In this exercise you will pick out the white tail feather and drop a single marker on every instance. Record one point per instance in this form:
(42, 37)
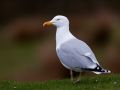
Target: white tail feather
(105, 71)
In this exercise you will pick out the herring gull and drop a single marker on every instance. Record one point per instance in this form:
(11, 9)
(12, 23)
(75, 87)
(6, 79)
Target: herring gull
(74, 54)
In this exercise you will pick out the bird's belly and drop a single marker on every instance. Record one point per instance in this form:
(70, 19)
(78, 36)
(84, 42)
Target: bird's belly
(68, 61)
(70, 64)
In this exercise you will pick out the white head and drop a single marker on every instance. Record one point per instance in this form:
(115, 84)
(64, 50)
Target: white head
(58, 21)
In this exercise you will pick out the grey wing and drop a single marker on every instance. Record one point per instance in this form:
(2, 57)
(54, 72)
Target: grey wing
(84, 50)
(79, 53)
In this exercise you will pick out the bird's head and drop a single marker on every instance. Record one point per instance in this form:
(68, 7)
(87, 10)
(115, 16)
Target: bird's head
(57, 21)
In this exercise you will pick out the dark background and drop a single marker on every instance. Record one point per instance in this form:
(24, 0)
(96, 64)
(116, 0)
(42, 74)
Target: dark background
(27, 50)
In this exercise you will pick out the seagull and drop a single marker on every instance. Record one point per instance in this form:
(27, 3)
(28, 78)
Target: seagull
(74, 54)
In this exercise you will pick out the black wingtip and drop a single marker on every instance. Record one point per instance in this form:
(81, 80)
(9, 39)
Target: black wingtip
(97, 69)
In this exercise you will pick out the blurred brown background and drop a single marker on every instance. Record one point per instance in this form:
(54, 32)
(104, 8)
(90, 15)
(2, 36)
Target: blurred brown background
(27, 50)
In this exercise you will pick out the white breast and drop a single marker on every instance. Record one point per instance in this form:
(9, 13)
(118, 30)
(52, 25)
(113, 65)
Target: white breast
(63, 35)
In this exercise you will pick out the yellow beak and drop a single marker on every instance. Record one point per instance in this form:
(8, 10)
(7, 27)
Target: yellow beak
(48, 23)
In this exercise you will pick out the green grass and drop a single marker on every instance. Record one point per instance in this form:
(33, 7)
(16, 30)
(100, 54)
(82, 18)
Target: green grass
(98, 82)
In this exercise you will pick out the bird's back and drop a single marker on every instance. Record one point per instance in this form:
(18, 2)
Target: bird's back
(72, 54)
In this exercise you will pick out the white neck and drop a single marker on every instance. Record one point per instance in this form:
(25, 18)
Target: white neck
(62, 35)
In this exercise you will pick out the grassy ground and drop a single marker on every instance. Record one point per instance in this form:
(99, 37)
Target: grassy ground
(98, 82)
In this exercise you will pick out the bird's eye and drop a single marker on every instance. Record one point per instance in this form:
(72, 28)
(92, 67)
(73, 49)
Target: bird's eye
(58, 19)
